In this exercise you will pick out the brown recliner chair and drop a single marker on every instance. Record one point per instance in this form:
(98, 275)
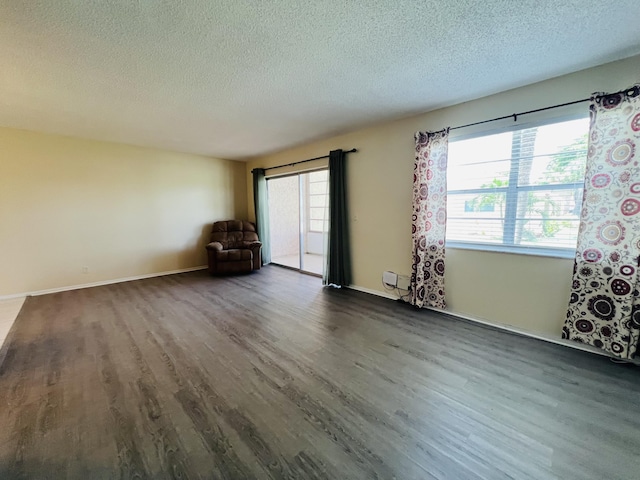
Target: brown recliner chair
(234, 248)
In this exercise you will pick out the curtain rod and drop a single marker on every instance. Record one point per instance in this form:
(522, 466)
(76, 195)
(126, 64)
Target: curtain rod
(307, 160)
(516, 115)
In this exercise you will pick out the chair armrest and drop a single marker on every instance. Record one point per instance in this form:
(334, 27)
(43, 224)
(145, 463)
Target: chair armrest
(214, 246)
(255, 248)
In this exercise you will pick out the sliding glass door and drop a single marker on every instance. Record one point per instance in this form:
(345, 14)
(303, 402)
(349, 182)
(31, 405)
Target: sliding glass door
(298, 212)
(284, 220)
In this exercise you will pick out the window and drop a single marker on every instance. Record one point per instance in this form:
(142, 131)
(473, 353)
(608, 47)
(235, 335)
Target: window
(518, 191)
(318, 201)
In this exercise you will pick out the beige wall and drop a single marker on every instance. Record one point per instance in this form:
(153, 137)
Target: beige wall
(527, 292)
(119, 210)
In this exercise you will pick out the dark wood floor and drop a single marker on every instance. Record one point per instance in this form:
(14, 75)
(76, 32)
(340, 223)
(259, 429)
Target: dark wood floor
(271, 376)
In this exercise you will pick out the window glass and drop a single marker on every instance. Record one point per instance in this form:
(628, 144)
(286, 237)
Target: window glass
(521, 190)
(318, 201)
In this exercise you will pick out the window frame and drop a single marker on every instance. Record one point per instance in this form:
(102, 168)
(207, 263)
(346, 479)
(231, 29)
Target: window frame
(325, 220)
(512, 191)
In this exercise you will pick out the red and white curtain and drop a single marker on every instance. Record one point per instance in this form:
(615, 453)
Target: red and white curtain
(429, 219)
(604, 309)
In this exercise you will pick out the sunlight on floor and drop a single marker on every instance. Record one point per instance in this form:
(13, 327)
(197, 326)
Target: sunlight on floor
(9, 310)
(311, 262)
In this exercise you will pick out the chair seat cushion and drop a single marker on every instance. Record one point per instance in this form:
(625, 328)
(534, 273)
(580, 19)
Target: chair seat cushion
(235, 255)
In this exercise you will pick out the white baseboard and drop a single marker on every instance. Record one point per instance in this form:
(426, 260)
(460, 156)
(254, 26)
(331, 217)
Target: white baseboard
(389, 296)
(501, 326)
(101, 283)
(377, 293)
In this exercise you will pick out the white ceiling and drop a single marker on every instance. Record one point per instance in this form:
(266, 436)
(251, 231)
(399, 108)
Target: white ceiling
(239, 78)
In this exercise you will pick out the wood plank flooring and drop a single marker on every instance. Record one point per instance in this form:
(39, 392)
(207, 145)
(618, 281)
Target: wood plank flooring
(269, 375)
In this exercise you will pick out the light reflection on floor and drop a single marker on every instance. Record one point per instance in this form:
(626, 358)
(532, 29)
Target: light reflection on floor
(311, 262)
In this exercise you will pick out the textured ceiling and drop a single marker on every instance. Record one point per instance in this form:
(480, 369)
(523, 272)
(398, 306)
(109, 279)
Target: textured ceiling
(239, 78)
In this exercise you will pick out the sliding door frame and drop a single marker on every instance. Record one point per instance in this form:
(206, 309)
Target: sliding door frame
(302, 217)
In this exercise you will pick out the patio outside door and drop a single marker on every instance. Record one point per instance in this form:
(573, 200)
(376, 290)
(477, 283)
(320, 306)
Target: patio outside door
(298, 220)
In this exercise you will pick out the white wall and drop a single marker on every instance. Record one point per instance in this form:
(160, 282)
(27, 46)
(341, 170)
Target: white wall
(527, 292)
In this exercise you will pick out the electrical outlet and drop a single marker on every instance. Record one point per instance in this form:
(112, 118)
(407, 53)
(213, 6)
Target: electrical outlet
(85, 269)
(389, 278)
(403, 282)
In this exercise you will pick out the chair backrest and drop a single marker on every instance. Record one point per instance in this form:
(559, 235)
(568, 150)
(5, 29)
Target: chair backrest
(232, 233)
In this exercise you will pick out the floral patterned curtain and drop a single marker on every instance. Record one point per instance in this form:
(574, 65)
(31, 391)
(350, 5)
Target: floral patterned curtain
(604, 308)
(429, 219)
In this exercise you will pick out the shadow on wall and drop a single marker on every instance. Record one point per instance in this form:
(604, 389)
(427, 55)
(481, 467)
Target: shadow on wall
(195, 248)
(191, 254)
(202, 241)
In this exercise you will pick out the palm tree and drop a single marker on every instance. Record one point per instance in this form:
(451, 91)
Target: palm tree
(565, 167)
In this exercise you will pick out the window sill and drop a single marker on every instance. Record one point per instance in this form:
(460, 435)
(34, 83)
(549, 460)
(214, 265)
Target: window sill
(531, 251)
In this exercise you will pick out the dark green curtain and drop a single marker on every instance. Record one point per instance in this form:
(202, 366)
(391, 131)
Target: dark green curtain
(261, 203)
(338, 271)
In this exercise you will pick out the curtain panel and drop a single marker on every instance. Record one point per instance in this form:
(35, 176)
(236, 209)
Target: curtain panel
(338, 262)
(261, 205)
(429, 219)
(604, 308)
